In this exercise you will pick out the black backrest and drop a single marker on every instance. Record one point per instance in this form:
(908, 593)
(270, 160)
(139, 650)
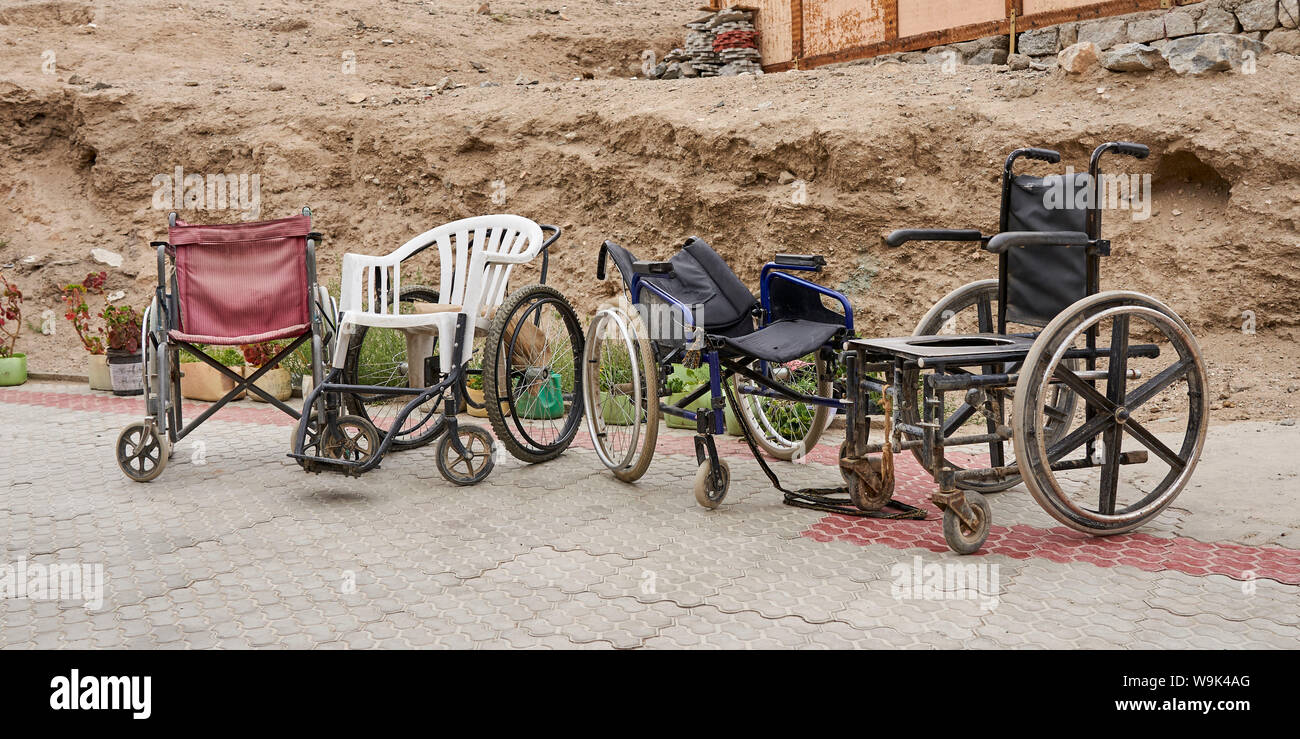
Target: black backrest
(1043, 281)
(701, 280)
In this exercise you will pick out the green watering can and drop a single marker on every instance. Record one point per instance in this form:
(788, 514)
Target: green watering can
(546, 404)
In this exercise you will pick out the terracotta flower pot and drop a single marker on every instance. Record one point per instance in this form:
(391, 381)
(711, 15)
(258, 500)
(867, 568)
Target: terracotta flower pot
(278, 382)
(476, 395)
(13, 370)
(97, 371)
(202, 382)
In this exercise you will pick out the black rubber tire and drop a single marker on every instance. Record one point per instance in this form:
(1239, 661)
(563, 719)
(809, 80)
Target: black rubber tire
(356, 405)
(136, 443)
(465, 432)
(507, 430)
(960, 538)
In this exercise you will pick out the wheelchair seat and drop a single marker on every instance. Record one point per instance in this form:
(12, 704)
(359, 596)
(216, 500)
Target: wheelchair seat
(702, 280)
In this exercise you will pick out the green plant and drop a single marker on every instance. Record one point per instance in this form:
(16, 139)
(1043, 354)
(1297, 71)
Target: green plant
(227, 356)
(122, 323)
(11, 317)
(78, 313)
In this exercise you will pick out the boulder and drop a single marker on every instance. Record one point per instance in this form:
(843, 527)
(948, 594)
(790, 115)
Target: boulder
(1142, 30)
(1211, 52)
(989, 56)
(1104, 33)
(1067, 34)
(1179, 23)
(1288, 13)
(1037, 42)
(1257, 15)
(1133, 58)
(1079, 58)
(1217, 20)
(1285, 40)
(1018, 61)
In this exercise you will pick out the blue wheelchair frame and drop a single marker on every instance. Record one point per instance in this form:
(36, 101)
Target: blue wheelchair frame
(722, 369)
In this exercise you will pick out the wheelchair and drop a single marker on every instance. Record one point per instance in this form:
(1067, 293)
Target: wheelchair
(1040, 357)
(772, 360)
(223, 285)
(528, 365)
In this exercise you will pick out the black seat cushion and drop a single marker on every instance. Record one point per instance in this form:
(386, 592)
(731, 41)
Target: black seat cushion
(784, 340)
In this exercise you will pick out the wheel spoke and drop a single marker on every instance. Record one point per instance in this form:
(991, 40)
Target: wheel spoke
(1149, 440)
(1086, 431)
(1085, 390)
(1152, 387)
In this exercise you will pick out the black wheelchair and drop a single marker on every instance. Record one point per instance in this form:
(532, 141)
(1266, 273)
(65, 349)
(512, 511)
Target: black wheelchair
(1040, 357)
(772, 360)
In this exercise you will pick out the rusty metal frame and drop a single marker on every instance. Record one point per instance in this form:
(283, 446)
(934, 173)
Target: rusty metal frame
(892, 43)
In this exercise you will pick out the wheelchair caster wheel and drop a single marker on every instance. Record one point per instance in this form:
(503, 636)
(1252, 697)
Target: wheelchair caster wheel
(871, 495)
(141, 452)
(709, 492)
(472, 467)
(350, 439)
(964, 539)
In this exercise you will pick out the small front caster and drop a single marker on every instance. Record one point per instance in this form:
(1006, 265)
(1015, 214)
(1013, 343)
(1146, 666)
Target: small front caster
(709, 491)
(964, 537)
(472, 466)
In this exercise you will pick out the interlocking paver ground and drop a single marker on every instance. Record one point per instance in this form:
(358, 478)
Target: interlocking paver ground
(235, 547)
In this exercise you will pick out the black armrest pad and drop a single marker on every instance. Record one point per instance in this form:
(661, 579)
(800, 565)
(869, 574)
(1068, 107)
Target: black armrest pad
(897, 238)
(800, 260)
(1004, 241)
(646, 267)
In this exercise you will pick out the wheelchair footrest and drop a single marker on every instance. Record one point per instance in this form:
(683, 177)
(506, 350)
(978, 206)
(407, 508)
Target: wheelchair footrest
(836, 500)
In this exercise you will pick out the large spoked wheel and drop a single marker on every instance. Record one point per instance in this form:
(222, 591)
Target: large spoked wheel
(377, 356)
(620, 382)
(973, 309)
(142, 452)
(533, 367)
(1142, 426)
(785, 428)
(475, 464)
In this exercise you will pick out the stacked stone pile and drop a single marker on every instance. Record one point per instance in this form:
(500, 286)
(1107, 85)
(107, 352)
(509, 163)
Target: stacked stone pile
(720, 44)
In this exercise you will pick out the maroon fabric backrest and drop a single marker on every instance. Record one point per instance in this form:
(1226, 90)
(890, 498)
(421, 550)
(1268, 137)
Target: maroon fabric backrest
(242, 279)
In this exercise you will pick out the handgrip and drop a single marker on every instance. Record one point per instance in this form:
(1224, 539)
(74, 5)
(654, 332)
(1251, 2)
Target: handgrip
(600, 261)
(1042, 155)
(1138, 151)
(902, 236)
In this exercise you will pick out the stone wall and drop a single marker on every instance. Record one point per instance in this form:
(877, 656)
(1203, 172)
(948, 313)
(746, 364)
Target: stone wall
(1194, 38)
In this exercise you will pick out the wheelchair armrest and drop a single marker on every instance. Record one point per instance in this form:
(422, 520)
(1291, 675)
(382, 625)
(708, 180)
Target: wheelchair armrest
(1008, 239)
(900, 237)
(652, 269)
(813, 262)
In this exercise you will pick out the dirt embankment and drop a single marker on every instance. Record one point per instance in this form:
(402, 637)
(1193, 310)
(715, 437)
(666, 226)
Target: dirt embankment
(380, 154)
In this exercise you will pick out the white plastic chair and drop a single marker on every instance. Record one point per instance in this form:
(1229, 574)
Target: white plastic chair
(475, 257)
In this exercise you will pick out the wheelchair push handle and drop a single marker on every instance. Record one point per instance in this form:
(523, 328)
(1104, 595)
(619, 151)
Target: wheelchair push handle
(1127, 148)
(600, 261)
(552, 238)
(1042, 155)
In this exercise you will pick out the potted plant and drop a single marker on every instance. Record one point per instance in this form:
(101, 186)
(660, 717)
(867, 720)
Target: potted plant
(125, 360)
(200, 381)
(278, 382)
(616, 408)
(682, 382)
(474, 389)
(13, 366)
(92, 337)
